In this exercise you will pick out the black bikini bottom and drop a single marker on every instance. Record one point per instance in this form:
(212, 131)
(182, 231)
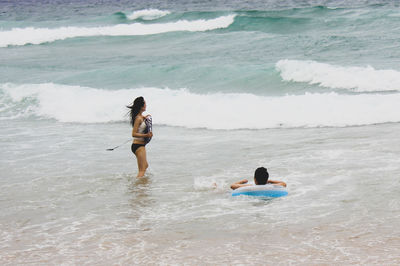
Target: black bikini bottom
(134, 147)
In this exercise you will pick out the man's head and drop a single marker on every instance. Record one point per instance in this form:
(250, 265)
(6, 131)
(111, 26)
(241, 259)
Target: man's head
(261, 176)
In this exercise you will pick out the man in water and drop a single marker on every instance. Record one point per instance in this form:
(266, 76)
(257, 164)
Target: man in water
(260, 178)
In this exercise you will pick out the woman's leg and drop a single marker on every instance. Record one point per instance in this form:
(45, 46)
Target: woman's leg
(141, 161)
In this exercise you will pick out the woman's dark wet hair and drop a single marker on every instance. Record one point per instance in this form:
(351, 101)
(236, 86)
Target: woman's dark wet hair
(137, 104)
(261, 176)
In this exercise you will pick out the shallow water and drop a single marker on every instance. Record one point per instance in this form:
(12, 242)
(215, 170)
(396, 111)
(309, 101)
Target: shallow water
(78, 203)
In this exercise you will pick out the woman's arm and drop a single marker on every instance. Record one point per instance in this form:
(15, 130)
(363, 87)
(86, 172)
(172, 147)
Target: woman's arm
(241, 183)
(281, 183)
(135, 128)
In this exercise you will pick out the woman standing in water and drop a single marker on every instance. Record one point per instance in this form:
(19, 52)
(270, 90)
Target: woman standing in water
(138, 133)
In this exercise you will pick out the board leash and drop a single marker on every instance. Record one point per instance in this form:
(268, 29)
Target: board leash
(111, 149)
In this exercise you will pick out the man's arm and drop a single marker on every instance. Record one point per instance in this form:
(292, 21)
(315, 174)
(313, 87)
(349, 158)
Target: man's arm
(281, 183)
(241, 183)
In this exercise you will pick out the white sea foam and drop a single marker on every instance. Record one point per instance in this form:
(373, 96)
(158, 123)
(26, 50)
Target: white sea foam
(148, 14)
(22, 36)
(359, 79)
(214, 111)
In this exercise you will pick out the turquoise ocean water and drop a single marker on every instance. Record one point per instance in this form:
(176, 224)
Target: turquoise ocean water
(308, 89)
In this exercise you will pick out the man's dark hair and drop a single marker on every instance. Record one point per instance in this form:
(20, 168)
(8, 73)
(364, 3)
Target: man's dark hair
(261, 176)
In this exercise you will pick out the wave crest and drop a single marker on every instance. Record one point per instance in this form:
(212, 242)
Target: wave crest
(148, 14)
(23, 36)
(359, 79)
(214, 111)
